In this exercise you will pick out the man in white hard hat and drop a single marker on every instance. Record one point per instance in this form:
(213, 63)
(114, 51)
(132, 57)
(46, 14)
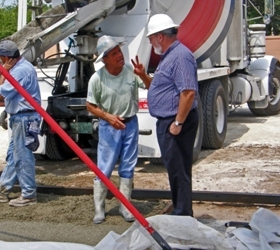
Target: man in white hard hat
(172, 99)
(113, 97)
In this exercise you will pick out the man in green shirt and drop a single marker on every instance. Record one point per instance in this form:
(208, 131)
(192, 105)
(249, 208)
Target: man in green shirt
(113, 97)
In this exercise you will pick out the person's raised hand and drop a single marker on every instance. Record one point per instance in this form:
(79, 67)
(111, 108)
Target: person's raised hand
(10, 63)
(139, 68)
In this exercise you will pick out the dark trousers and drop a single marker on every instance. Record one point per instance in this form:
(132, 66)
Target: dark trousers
(177, 155)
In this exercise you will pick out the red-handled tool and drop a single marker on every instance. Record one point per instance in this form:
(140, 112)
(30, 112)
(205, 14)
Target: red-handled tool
(55, 127)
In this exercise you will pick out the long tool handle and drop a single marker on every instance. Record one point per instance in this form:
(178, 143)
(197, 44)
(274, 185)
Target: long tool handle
(68, 140)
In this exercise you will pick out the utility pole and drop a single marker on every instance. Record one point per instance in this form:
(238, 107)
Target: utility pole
(22, 14)
(37, 5)
(37, 9)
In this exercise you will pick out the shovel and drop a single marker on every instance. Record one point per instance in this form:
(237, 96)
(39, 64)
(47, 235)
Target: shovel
(68, 140)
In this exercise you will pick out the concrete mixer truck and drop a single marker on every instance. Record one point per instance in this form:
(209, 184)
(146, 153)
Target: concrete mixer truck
(233, 68)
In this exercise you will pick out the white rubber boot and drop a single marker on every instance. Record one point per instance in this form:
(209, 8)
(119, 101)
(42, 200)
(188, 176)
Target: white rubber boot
(126, 189)
(99, 195)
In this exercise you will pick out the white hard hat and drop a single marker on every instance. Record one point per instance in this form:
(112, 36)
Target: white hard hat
(160, 22)
(106, 44)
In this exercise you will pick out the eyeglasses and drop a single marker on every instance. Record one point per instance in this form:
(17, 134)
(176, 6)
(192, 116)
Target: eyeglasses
(151, 37)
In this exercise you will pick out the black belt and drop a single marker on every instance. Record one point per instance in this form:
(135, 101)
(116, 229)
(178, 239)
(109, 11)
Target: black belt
(167, 117)
(24, 111)
(128, 119)
(172, 116)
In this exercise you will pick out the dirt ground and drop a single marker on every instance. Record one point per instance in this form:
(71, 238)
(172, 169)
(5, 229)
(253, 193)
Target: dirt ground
(248, 162)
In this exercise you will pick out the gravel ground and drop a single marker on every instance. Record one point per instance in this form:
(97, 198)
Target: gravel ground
(248, 162)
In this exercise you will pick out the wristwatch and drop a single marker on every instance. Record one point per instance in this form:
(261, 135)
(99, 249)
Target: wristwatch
(178, 123)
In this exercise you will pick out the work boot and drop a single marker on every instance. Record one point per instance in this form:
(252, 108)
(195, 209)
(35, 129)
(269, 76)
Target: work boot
(100, 192)
(126, 189)
(4, 195)
(22, 202)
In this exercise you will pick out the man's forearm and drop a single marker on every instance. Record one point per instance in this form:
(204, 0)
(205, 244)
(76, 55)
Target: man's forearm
(185, 104)
(146, 79)
(2, 79)
(96, 111)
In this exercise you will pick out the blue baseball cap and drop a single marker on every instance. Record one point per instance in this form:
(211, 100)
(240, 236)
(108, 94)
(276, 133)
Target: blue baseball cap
(8, 48)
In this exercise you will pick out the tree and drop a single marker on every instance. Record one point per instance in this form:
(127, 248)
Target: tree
(256, 13)
(9, 15)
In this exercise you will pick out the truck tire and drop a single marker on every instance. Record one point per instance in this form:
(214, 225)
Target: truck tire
(40, 157)
(156, 161)
(56, 148)
(214, 114)
(3, 120)
(273, 107)
(198, 138)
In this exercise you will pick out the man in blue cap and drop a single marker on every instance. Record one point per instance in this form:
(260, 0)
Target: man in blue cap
(25, 125)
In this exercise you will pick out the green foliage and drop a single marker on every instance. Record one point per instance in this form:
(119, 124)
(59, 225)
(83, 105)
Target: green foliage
(8, 17)
(273, 28)
(9, 14)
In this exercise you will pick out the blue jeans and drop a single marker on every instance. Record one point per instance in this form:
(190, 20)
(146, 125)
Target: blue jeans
(20, 160)
(114, 144)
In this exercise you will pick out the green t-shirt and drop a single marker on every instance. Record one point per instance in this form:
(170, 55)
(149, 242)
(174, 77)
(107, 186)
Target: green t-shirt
(116, 95)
